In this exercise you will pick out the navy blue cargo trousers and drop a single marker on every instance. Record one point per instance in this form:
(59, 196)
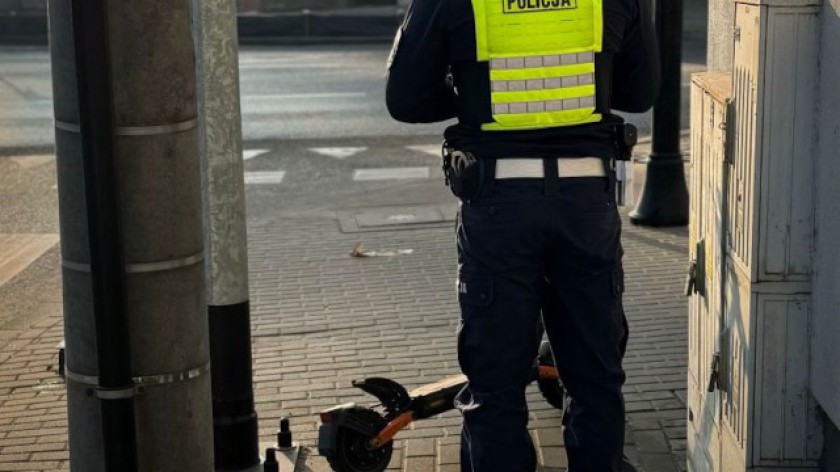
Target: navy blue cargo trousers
(525, 250)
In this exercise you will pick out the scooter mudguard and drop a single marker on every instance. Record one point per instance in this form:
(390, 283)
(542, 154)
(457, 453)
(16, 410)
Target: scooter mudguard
(342, 416)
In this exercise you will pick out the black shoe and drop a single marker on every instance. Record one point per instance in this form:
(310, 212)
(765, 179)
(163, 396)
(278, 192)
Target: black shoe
(626, 466)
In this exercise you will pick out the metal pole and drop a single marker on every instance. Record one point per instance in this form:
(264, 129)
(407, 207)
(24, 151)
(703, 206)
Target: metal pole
(664, 198)
(115, 389)
(236, 437)
(157, 170)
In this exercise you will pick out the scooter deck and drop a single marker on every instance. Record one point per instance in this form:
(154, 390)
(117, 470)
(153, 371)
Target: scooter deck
(445, 384)
(439, 397)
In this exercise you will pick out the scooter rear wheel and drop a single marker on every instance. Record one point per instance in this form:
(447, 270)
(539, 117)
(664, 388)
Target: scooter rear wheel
(353, 450)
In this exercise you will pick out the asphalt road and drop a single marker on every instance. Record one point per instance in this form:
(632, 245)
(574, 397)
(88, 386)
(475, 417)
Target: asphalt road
(288, 93)
(313, 119)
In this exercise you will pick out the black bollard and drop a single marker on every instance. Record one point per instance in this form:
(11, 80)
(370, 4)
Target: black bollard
(664, 198)
(270, 464)
(284, 434)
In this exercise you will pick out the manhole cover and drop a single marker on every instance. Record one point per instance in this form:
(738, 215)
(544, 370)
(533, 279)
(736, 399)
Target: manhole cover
(391, 218)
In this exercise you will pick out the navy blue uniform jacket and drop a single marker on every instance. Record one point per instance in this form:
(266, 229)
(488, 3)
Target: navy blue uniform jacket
(437, 38)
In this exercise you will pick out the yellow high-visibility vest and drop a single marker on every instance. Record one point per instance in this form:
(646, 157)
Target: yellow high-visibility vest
(541, 55)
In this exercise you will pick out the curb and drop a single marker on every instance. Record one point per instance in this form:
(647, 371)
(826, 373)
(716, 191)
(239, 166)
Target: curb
(16, 151)
(311, 24)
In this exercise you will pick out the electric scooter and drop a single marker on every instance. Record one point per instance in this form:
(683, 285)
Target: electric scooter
(356, 438)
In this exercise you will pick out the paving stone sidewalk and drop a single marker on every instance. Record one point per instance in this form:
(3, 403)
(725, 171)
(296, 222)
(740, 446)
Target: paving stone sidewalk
(396, 317)
(322, 318)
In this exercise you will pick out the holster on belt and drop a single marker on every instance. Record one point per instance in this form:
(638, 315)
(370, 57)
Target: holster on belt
(463, 172)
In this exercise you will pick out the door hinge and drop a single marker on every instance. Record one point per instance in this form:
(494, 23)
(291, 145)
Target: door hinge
(691, 279)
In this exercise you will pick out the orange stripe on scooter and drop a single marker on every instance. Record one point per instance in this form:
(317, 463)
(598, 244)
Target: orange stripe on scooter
(395, 426)
(548, 372)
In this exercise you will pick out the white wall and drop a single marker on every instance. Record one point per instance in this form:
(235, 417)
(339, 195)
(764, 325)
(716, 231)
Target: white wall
(825, 350)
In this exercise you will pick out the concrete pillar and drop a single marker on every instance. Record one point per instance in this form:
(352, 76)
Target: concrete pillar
(721, 27)
(158, 177)
(220, 142)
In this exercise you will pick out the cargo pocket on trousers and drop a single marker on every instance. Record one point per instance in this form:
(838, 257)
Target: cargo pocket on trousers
(474, 292)
(475, 295)
(618, 281)
(618, 307)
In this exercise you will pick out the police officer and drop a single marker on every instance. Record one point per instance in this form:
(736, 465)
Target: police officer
(532, 84)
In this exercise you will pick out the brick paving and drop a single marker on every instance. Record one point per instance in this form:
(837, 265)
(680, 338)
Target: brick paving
(322, 318)
(396, 317)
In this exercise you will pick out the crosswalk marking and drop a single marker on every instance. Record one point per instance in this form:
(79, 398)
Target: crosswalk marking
(252, 153)
(304, 96)
(359, 175)
(27, 162)
(391, 173)
(270, 177)
(18, 251)
(284, 65)
(433, 149)
(339, 152)
(276, 177)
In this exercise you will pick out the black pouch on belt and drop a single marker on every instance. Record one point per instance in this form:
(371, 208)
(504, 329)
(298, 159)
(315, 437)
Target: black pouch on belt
(463, 173)
(626, 137)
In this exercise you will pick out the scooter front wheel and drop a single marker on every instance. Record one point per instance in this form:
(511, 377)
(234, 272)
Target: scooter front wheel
(354, 452)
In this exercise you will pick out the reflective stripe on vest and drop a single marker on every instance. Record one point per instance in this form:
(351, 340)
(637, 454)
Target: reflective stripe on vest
(542, 60)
